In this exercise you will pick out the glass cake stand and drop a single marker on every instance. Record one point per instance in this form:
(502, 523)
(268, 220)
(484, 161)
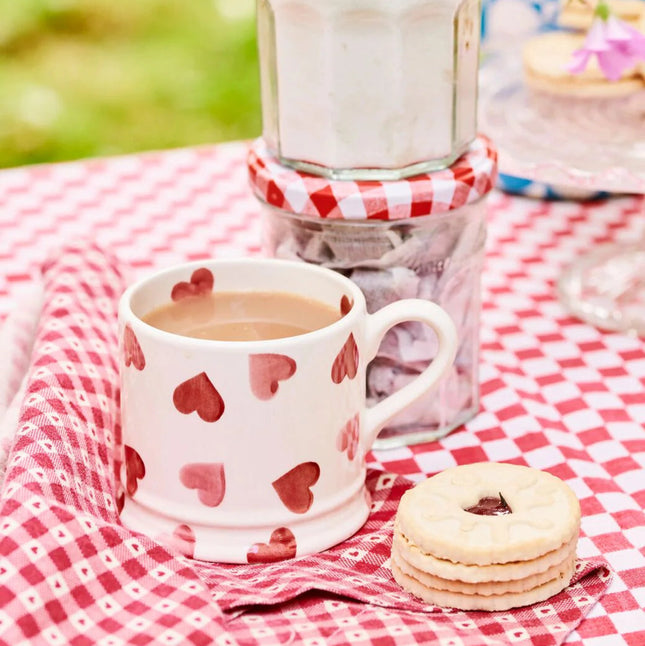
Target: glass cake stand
(576, 145)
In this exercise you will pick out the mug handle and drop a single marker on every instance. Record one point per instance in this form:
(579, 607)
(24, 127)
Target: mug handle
(376, 417)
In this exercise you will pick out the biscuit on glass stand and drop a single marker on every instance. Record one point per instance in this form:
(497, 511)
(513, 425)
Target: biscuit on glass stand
(545, 58)
(604, 287)
(579, 14)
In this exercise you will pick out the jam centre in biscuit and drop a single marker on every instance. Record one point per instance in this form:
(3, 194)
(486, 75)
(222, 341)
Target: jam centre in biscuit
(490, 506)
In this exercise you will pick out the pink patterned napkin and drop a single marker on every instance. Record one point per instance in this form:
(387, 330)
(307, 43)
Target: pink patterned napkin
(70, 573)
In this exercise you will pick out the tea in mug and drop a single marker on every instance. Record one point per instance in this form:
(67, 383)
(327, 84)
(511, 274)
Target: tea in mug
(243, 316)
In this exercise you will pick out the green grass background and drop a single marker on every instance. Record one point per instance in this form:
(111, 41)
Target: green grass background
(87, 78)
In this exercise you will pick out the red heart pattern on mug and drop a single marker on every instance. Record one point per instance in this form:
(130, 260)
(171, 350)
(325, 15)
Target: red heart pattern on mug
(201, 282)
(120, 499)
(281, 546)
(133, 355)
(294, 487)
(346, 363)
(266, 371)
(183, 538)
(198, 395)
(348, 437)
(135, 469)
(346, 305)
(208, 478)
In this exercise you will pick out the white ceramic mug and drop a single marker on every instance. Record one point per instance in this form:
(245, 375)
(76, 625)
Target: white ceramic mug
(254, 451)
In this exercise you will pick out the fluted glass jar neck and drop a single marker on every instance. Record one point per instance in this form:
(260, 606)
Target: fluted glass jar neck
(373, 89)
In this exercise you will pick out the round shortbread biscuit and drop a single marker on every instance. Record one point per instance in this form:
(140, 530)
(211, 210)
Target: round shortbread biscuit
(445, 569)
(580, 15)
(485, 588)
(545, 514)
(479, 602)
(545, 58)
(584, 88)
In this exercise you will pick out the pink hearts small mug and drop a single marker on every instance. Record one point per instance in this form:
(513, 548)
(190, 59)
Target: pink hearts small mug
(254, 451)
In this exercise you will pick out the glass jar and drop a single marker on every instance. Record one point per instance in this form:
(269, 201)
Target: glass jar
(418, 238)
(368, 89)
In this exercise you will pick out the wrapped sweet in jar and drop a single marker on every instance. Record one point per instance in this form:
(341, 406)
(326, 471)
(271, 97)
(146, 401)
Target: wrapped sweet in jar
(368, 89)
(421, 237)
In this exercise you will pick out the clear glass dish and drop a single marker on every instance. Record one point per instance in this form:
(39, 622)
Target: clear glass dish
(596, 144)
(606, 287)
(578, 143)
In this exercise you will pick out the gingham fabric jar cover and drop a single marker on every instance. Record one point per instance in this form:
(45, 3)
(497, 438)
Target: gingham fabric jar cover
(471, 177)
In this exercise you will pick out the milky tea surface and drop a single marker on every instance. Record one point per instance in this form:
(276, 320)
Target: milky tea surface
(243, 316)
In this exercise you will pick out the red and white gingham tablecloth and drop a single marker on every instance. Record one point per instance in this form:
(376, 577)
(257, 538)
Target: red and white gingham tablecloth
(557, 394)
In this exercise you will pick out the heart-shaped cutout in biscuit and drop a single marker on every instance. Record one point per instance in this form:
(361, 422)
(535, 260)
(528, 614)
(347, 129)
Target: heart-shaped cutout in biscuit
(198, 395)
(266, 371)
(294, 487)
(132, 353)
(281, 546)
(135, 469)
(346, 362)
(201, 282)
(208, 478)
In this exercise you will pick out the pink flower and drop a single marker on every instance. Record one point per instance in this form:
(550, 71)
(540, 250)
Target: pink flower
(616, 45)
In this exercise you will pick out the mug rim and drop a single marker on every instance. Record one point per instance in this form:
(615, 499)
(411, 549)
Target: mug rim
(127, 315)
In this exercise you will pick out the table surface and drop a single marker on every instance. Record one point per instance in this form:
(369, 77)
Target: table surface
(556, 394)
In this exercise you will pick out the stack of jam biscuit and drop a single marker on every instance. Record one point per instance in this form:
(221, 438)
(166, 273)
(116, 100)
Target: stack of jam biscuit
(486, 536)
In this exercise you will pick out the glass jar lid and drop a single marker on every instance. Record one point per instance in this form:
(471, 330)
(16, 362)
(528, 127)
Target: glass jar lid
(470, 178)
